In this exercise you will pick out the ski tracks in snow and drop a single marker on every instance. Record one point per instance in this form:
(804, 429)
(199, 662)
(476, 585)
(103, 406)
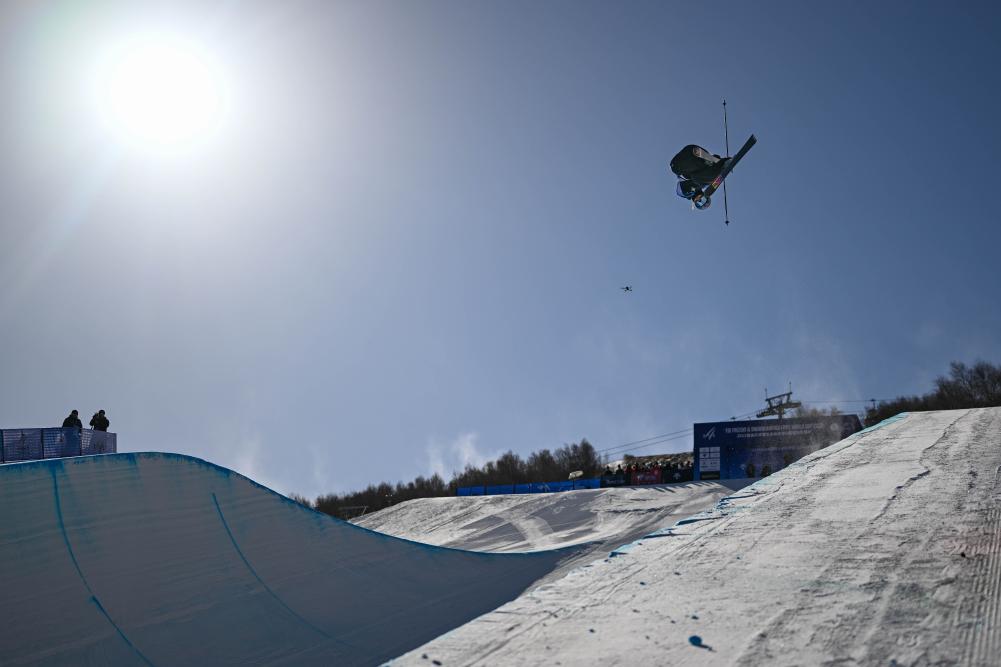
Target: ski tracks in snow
(897, 590)
(883, 549)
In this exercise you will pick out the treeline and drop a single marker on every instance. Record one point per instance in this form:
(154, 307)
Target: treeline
(977, 386)
(541, 466)
(380, 496)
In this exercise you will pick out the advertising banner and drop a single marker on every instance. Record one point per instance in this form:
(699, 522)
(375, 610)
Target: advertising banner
(536, 487)
(651, 476)
(754, 448)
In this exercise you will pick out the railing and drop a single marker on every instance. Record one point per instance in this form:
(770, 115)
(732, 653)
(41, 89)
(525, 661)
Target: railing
(31, 444)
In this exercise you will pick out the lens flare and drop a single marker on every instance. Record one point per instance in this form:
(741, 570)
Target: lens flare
(161, 93)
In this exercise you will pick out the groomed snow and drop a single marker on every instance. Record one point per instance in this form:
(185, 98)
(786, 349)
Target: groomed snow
(598, 521)
(883, 549)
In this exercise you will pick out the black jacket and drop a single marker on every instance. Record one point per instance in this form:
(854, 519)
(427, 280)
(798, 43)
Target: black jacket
(73, 422)
(99, 422)
(697, 164)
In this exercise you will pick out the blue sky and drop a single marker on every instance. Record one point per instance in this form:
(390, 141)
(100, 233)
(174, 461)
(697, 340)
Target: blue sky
(403, 248)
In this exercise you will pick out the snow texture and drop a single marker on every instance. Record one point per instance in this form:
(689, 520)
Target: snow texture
(883, 549)
(161, 559)
(598, 521)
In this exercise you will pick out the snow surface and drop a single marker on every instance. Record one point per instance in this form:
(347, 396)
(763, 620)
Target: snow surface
(597, 520)
(883, 549)
(140, 559)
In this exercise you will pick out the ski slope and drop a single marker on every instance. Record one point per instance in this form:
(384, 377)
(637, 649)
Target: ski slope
(883, 549)
(596, 520)
(161, 559)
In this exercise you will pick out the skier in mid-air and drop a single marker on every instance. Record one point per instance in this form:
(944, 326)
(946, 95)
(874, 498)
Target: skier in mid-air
(695, 168)
(701, 172)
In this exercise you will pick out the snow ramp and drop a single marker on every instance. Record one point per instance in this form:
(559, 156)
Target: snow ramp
(882, 549)
(163, 559)
(595, 518)
(596, 521)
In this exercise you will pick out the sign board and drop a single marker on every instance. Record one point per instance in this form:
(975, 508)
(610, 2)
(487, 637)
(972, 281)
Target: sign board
(739, 449)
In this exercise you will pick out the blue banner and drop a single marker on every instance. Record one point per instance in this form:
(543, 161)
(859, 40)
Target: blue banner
(534, 487)
(755, 448)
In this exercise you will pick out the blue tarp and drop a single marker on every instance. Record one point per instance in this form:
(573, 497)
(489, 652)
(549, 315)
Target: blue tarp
(552, 487)
(587, 483)
(470, 490)
(500, 490)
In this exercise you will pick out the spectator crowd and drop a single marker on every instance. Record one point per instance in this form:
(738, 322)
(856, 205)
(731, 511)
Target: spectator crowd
(657, 471)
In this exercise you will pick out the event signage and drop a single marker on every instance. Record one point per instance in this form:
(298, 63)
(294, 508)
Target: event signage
(753, 448)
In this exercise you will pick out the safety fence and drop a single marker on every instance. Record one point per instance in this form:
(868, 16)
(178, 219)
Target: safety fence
(31, 444)
(533, 487)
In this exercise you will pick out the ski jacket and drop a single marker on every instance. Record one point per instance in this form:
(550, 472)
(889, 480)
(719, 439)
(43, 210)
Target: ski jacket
(697, 164)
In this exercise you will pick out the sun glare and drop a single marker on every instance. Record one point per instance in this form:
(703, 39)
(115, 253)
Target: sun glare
(161, 93)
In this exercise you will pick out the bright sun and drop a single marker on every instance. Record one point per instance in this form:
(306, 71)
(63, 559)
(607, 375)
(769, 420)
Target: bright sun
(161, 93)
